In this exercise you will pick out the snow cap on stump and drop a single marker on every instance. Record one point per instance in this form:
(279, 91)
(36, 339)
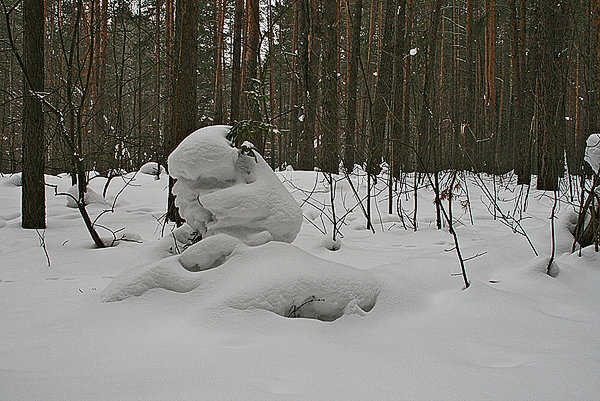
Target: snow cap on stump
(224, 190)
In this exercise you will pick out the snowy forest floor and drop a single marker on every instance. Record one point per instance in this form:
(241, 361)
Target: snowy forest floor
(515, 333)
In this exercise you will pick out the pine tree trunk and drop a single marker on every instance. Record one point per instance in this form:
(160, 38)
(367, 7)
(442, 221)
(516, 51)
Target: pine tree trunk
(33, 206)
(456, 93)
(468, 127)
(363, 137)
(101, 94)
(292, 137)
(310, 53)
(157, 137)
(218, 91)
(185, 103)
(329, 145)
(250, 68)
(550, 91)
(140, 97)
(406, 120)
(170, 73)
(236, 67)
(397, 135)
(351, 130)
(426, 127)
(383, 90)
(514, 125)
(490, 85)
(294, 106)
(302, 74)
(524, 143)
(186, 113)
(272, 112)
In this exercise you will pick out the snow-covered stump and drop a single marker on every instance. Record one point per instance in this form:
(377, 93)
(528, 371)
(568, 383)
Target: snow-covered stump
(224, 190)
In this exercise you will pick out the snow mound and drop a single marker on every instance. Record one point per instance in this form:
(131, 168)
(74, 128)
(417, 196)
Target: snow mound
(592, 152)
(224, 190)
(565, 230)
(293, 283)
(14, 180)
(534, 269)
(114, 239)
(173, 273)
(208, 254)
(329, 244)
(180, 238)
(130, 236)
(275, 277)
(90, 197)
(152, 168)
(166, 273)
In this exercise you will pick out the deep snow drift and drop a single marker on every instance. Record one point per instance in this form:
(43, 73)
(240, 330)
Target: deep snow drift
(209, 322)
(276, 277)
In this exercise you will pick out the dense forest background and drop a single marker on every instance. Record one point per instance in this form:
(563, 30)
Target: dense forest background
(473, 85)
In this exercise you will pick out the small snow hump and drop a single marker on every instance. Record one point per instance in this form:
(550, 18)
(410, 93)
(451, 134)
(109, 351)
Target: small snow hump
(152, 168)
(14, 180)
(224, 190)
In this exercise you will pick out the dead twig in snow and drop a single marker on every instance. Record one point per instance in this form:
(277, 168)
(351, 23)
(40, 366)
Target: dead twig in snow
(42, 238)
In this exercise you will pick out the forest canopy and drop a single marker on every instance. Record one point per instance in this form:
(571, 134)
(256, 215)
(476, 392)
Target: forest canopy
(423, 86)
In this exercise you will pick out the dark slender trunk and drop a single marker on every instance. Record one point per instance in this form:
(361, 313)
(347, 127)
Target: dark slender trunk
(550, 87)
(351, 130)
(292, 140)
(398, 134)
(468, 127)
(329, 145)
(236, 68)
(428, 138)
(383, 90)
(184, 104)
(218, 91)
(309, 52)
(33, 212)
(250, 72)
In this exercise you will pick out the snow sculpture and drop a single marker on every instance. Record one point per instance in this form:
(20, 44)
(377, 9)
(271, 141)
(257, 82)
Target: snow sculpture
(592, 152)
(224, 190)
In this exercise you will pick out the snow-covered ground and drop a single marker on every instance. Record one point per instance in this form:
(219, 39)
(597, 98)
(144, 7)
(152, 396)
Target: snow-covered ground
(401, 326)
